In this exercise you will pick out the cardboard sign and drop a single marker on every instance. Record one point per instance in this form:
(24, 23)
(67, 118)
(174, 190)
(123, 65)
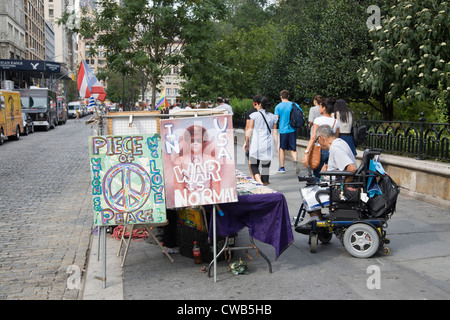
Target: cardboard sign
(198, 158)
(127, 179)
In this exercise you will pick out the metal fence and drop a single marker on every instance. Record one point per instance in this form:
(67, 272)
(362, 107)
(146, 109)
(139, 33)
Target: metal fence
(420, 140)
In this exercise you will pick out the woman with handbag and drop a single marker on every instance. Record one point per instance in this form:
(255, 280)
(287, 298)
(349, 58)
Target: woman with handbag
(261, 149)
(314, 157)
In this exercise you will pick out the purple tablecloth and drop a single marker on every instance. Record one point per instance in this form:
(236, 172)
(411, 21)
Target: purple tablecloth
(265, 215)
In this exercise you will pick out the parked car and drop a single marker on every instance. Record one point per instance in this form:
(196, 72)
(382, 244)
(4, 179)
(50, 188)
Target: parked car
(28, 125)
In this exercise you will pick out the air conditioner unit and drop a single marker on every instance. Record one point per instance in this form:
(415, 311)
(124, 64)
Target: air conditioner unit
(8, 85)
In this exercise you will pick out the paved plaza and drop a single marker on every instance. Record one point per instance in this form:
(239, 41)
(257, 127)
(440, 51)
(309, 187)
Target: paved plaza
(49, 252)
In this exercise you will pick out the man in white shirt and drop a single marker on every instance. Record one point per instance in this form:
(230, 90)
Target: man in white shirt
(341, 158)
(224, 106)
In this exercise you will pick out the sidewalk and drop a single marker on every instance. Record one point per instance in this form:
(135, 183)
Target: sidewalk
(416, 268)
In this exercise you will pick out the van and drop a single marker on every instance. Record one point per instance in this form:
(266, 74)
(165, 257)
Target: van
(72, 109)
(40, 104)
(11, 124)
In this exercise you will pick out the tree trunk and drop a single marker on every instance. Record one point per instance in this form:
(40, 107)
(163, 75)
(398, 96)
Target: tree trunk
(153, 82)
(388, 110)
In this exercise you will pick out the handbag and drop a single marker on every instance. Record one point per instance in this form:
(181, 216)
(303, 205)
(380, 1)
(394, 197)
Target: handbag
(270, 131)
(315, 154)
(314, 157)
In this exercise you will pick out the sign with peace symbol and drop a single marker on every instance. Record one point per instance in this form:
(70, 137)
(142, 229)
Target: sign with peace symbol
(126, 187)
(127, 179)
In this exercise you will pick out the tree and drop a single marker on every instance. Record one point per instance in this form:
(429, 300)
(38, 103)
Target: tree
(228, 64)
(320, 50)
(334, 47)
(410, 58)
(147, 36)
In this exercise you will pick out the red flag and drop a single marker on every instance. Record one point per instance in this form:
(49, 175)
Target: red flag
(88, 84)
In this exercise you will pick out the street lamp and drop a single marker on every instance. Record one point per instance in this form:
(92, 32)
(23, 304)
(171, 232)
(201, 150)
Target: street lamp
(62, 54)
(54, 83)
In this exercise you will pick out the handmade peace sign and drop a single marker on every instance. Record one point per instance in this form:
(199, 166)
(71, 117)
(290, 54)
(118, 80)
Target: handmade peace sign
(126, 187)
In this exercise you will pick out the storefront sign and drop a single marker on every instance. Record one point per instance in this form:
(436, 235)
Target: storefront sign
(198, 155)
(30, 65)
(127, 179)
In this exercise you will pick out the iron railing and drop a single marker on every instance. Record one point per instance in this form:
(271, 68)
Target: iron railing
(420, 140)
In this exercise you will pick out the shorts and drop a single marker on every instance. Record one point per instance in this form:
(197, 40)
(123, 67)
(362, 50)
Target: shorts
(288, 141)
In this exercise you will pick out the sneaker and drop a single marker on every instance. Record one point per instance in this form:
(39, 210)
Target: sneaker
(281, 170)
(297, 167)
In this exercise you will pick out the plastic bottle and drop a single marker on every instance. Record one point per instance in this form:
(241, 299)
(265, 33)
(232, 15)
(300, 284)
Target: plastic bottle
(197, 254)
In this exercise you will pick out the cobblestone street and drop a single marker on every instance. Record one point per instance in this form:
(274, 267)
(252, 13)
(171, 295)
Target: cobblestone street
(45, 215)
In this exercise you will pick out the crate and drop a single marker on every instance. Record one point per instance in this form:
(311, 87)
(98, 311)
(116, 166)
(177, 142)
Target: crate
(185, 238)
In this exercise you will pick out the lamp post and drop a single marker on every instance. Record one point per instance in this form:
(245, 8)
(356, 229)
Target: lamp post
(62, 54)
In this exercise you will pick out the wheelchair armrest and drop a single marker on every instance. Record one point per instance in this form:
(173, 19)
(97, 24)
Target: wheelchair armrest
(309, 179)
(337, 173)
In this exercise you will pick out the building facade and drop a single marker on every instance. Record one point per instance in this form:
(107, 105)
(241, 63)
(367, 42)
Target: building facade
(12, 31)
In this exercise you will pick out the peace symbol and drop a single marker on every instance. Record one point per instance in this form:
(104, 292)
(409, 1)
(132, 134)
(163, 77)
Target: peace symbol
(126, 187)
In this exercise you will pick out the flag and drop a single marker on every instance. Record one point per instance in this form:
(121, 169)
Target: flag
(91, 102)
(88, 85)
(162, 103)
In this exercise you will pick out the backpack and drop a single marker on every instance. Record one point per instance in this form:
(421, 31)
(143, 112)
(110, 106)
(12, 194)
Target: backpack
(384, 204)
(359, 135)
(296, 118)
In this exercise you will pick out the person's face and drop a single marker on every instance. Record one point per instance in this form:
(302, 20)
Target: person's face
(196, 145)
(323, 142)
(322, 109)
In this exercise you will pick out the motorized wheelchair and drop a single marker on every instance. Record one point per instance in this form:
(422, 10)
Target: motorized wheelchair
(358, 221)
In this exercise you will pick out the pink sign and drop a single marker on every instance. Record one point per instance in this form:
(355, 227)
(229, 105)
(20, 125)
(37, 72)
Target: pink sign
(198, 155)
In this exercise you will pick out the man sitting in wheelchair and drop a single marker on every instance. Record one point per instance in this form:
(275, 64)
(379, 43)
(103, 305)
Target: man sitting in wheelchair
(360, 199)
(341, 158)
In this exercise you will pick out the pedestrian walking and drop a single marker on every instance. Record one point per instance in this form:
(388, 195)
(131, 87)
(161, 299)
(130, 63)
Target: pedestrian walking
(261, 149)
(288, 139)
(345, 117)
(314, 111)
(224, 106)
(326, 110)
(256, 100)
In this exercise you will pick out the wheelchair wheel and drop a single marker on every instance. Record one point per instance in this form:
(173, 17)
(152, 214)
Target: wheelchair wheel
(313, 242)
(361, 240)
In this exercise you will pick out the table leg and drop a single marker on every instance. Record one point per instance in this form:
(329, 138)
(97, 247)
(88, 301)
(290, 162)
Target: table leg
(214, 244)
(104, 255)
(262, 255)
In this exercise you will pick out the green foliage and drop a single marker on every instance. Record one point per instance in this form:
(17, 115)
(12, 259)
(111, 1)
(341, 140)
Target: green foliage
(410, 55)
(240, 107)
(228, 67)
(320, 51)
(238, 48)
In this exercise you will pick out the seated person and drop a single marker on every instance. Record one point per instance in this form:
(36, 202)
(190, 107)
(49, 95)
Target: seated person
(341, 158)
